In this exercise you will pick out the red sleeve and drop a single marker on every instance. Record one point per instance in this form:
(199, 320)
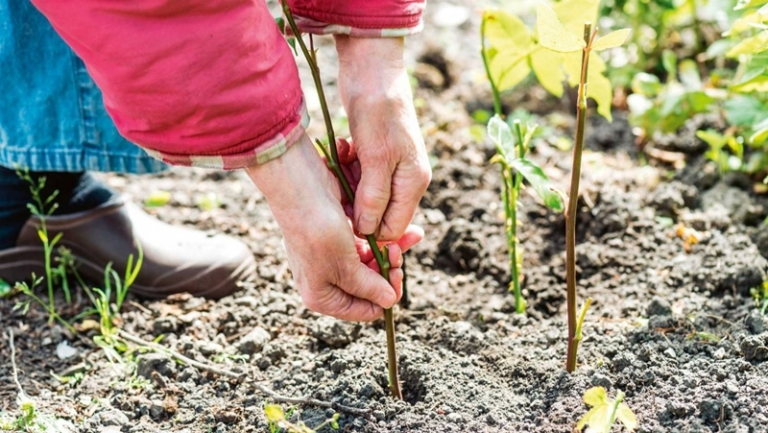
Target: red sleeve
(199, 82)
(361, 18)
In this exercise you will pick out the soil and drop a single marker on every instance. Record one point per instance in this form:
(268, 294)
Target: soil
(673, 324)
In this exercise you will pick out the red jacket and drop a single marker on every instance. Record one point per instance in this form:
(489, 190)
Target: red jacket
(209, 83)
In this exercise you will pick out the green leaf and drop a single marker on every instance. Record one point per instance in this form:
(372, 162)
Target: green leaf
(208, 202)
(750, 45)
(626, 417)
(689, 75)
(510, 43)
(539, 181)
(509, 71)
(646, 84)
(501, 135)
(157, 199)
(546, 66)
(595, 396)
(574, 13)
(553, 34)
(669, 62)
(611, 40)
(5, 288)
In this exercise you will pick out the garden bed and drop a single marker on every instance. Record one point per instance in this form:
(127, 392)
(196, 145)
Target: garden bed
(673, 324)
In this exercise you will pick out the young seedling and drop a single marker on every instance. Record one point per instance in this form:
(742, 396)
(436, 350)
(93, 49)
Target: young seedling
(510, 155)
(555, 37)
(332, 157)
(278, 420)
(605, 413)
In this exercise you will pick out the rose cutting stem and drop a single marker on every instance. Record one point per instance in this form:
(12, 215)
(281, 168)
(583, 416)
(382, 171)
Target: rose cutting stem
(381, 255)
(570, 225)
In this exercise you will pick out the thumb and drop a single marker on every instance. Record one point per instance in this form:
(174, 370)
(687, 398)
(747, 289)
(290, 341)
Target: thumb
(372, 198)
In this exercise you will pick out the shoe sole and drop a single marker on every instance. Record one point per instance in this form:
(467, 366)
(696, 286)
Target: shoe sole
(20, 263)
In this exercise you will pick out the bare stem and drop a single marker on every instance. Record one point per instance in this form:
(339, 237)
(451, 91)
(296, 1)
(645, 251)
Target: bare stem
(382, 257)
(570, 224)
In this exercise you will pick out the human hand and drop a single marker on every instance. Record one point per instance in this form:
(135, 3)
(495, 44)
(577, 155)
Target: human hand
(395, 170)
(334, 271)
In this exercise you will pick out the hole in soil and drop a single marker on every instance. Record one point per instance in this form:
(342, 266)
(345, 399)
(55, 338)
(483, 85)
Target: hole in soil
(412, 383)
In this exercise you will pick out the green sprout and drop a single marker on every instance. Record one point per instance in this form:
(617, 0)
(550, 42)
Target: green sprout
(511, 153)
(604, 413)
(277, 419)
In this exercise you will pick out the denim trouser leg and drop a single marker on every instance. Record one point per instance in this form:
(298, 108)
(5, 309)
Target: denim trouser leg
(52, 117)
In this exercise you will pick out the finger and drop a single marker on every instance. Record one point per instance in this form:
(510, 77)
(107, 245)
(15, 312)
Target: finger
(407, 189)
(412, 236)
(373, 195)
(346, 151)
(341, 305)
(365, 283)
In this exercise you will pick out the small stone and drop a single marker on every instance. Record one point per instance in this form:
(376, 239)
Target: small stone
(156, 409)
(490, 419)
(209, 348)
(670, 352)
(755, 322)
(335, 333)
(601, 380)
(338, 365)
(112, 417)
(158, 362)
(379, 415)
(455, 418)
(719, 353)
(165, 325)
(755, 348)
(254, 341)
(659, 307)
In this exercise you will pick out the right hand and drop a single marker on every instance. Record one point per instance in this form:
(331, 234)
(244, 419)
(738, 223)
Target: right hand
(334, 270)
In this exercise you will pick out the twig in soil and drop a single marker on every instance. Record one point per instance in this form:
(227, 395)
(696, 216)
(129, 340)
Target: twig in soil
(189, 361)
(14, 370)
(364, 413)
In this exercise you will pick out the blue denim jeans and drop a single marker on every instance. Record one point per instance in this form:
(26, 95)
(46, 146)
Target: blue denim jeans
(52, 117)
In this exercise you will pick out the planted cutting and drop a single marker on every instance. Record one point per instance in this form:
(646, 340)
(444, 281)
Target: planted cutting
(554, 36)
(511, 151)
(381, 254)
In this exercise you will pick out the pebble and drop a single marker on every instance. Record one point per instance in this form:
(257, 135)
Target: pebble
(670, 353)
(156, 409)
(719, 353)
(659, 307)
(112, 417)
(158, 362)
(254, 341)
(165, 325)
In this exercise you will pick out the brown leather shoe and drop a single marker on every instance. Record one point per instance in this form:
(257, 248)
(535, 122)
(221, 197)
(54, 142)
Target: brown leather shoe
(176, 259)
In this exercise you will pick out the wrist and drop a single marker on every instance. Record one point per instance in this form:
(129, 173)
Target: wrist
(296, 184)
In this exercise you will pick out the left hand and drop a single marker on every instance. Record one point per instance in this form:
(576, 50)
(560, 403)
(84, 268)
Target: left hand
(394, 167)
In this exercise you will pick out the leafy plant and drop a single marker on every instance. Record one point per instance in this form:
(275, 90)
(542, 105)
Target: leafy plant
(555, 36)
(43, 208)
(514, 51)
(381, 254)
(604, 413)
(760, 295)
(510, 155)
(277, 420)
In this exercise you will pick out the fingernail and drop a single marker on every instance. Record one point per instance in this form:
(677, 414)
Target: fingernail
(366, 225)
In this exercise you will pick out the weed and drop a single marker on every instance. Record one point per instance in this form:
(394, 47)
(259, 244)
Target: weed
(278, 420)
(604, 413)
(43, 208)
(760, 295)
